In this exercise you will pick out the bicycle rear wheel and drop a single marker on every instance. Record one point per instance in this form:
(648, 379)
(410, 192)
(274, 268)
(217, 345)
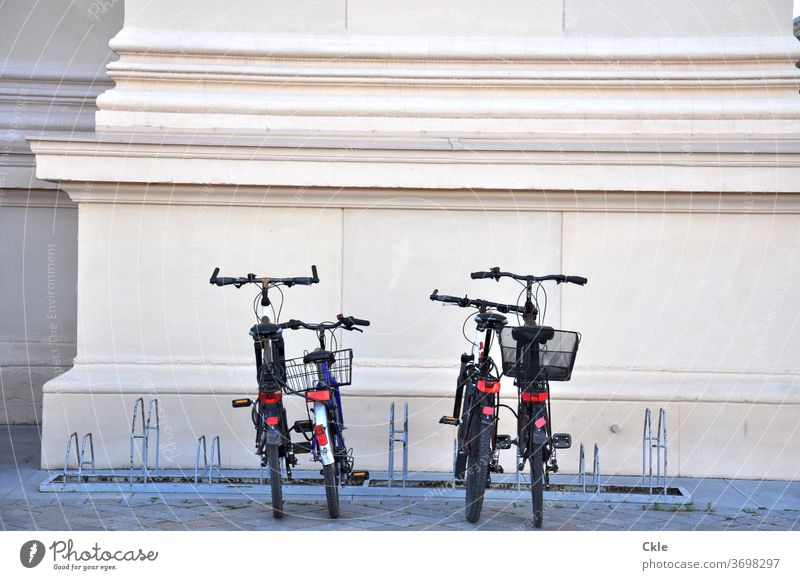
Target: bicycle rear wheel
(274, 461)
(331, 489)
(537, 485)
(477, 469)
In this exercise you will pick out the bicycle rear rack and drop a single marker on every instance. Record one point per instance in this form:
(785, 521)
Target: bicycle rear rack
(648, 444)
(80, 454)
(144, 435)
(393, 439)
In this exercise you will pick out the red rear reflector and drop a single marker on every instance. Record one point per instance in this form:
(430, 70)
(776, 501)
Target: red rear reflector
(272, 420)
(488, 410)
(319, 433)
(488, 386)
(540, 422)
(274, 397)
(324, 395)
(534, 397)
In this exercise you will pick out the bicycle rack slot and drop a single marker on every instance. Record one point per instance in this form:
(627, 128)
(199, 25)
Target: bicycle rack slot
(393, 431)
(80, 454)
(146, 427)
(659, 442)
(595, 468)
(208, 467)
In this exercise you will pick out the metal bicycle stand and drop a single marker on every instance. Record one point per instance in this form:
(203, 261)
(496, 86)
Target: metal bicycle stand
(658, 442)
(595, 468)
(208, 468)
(393, 439)
(144, 435)
(80, 453)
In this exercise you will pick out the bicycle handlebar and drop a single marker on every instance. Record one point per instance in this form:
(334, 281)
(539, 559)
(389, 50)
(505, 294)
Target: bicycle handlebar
(496, 274)
(264, 280)
(467, 302)
(346, 322)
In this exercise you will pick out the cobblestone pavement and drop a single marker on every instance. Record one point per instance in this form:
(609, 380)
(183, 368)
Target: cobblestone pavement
(717, 505)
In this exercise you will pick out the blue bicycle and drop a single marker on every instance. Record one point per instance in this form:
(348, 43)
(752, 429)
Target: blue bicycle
(317, 376)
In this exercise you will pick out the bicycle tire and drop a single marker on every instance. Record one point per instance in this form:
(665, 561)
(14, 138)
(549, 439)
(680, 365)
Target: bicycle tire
(477, 470)
(331, 489)
(274, 461)
(461, 458)
(537, 485)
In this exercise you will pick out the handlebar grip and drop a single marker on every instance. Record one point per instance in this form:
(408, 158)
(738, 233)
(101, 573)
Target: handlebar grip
(435, 294)
(481, 275)
(579, 280)
(359, 321)
(314, 277)
(213, 279)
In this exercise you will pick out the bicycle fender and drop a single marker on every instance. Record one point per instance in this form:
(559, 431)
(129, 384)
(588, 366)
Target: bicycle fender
(321, 418)
(273, 437)
(539, 437)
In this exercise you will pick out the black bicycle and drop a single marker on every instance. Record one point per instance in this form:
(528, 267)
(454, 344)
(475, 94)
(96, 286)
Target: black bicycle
(533, 355)
(272, 441)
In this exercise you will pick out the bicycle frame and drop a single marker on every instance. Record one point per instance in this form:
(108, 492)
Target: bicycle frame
(483, 394)
(269, 413)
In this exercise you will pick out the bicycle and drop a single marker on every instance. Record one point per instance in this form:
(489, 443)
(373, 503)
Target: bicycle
(533, 355)
(317, 376)
(272, 441)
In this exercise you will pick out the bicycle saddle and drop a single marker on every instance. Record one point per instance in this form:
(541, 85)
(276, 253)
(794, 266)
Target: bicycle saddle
(319, 356)
(490, 320)
(540, 334)
(265, 329)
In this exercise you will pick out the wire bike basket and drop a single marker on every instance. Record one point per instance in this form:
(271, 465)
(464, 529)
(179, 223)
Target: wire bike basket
(305, 373)
(538, 353)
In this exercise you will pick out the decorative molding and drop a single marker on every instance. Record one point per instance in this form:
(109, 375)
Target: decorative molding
(112, 164)
(35, 100)
(36, 198)
(209, 80)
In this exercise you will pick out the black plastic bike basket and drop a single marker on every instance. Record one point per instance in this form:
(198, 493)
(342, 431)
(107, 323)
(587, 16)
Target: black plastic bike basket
(539, 357)
(302, 376)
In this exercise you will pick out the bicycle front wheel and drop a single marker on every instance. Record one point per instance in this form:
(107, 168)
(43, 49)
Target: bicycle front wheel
(331, 489)
(477, 470)
(537, 485)
(274, 461)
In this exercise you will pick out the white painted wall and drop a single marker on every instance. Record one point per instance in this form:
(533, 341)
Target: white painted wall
(653, 149)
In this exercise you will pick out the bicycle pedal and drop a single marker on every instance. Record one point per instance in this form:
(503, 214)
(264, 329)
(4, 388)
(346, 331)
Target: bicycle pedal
(239, 403)
(303, 426)
(449, 421)
(359, 476)
(562, 440)
(302, 447)
(504, 441)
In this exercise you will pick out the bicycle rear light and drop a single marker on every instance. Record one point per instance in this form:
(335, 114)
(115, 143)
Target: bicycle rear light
(322, 395)
(488, 386)
(319, 433)
(534, 397)
(268, 398)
